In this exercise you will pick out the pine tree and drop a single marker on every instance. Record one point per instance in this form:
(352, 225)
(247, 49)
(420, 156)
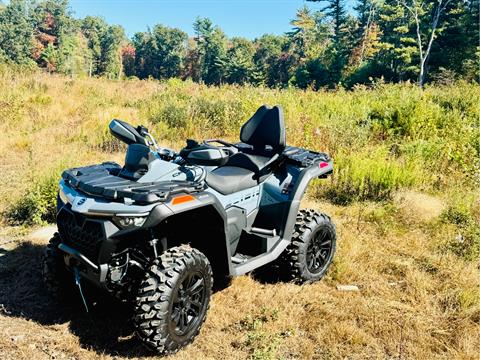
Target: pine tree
(212, 48)
(337, 11)
(268, 51)
(338, 53)
(16, 32)
(111, 59)
(93, 28)
(240, 65)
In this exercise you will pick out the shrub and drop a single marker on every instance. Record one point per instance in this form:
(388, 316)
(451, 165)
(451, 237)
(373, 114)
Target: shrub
(360, 177)
(37, 206)
(261, 344)
(462, 213)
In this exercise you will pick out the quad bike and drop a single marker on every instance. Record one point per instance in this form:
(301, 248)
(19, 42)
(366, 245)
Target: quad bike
(157, 231)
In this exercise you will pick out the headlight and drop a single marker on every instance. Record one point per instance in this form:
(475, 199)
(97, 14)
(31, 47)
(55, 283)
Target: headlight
(126, 222)
(63, 196)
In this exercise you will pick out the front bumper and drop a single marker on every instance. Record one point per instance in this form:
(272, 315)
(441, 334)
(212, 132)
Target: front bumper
(85, 243)
(88, 243)
(94, 237)
(97, 274)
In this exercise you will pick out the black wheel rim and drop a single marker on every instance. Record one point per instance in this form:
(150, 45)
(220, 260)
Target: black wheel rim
(188, 303)
(319, 251)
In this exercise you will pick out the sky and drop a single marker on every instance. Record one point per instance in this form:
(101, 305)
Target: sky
(247, 18)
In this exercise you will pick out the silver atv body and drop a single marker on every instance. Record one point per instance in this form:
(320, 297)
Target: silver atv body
(238, 204)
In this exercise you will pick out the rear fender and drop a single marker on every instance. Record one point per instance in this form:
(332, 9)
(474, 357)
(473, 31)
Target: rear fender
(317, 170)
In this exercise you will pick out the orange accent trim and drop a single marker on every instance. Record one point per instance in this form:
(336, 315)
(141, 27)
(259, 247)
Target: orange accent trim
(181, 199)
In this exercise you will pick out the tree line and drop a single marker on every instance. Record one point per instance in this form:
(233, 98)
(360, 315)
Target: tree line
(393, 40)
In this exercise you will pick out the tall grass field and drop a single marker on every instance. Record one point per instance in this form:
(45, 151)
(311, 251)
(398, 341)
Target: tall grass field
(404, 196)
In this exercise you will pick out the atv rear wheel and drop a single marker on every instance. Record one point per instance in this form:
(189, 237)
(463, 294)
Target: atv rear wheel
(173, 299)
(313, 245)
(58, 280)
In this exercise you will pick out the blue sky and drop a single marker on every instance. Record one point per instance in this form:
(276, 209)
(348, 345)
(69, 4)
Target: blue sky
(248, 18)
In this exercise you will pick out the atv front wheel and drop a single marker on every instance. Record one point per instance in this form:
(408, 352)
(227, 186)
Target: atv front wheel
(173, 299)
(58, 280)
(313, 245)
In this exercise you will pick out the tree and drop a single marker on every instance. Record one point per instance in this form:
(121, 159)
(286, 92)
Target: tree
(93, 28)
(74, 57)
(308, 43)
(16, 32)
(470, 64)
(397, 50)
(192, 67)
(368, 29)
(212, 48)
(425, 11)
(128, 59)
(302, 34)
(53, 26)
(170, 48)
(268, 51)
(141, 43)
(53, 17)
(160, 53)
(338, 52)
(105, 43)
(240, 65)
(453, 51)
(337, 11)
(111, 60)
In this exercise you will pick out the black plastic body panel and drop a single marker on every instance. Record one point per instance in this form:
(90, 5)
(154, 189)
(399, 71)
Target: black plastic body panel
(103, 181)
(204, 155)
(237, 222)
(98, 238)
(319, 166)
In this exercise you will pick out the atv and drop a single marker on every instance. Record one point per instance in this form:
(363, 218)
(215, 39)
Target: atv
(156, 231)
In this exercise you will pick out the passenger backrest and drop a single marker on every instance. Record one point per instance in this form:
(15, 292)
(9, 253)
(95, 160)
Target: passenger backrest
(265, 127)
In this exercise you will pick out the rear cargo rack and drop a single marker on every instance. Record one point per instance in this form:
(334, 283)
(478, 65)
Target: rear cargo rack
(303, 157)
(103, 181)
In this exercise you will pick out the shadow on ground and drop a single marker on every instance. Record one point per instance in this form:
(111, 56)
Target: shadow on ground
(271, 274)
(106, 329)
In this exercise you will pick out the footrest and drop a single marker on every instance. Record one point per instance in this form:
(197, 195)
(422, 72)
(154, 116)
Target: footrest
(263, 232)
(240, 258)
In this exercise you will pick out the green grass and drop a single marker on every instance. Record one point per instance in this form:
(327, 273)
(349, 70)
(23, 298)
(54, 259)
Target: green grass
(370, 175)
(382, 139)
(463, 212)
(406, 176)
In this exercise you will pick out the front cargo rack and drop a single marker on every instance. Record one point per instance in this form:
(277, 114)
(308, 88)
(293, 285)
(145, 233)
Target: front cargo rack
(103, 181)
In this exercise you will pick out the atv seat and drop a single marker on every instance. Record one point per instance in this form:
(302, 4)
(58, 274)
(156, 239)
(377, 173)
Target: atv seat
(262, 141)
(229, 179)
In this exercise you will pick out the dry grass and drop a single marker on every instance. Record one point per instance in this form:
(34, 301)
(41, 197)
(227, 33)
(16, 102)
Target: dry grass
(416, 299)
(50, 122)
(413, 303)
